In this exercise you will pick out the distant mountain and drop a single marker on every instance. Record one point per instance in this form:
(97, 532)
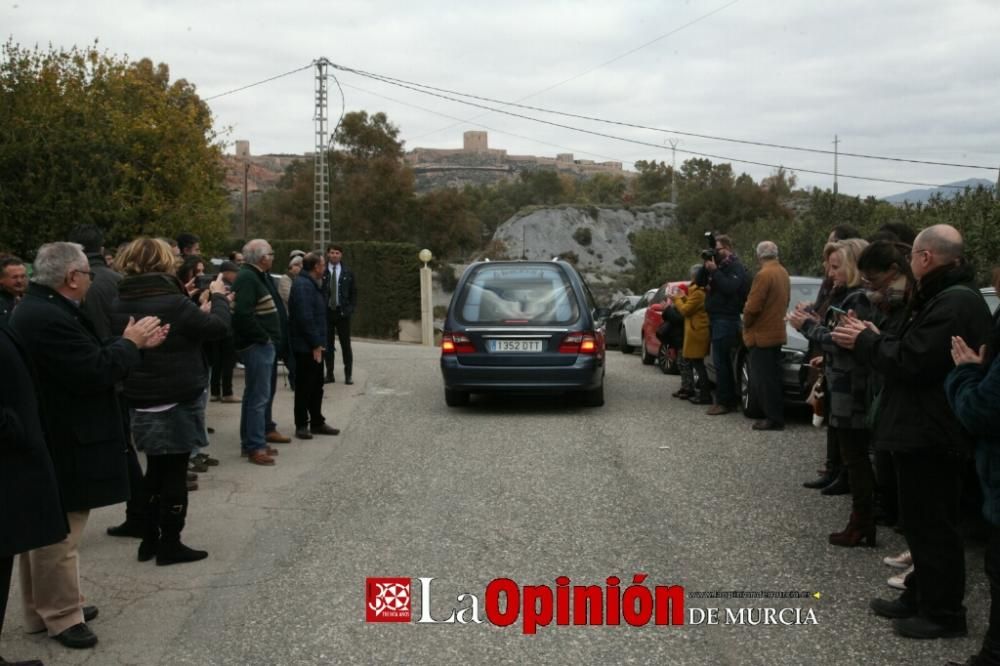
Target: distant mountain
(922, 196)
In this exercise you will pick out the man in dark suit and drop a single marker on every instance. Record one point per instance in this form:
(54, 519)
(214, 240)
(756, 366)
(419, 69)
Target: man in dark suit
(76, 373)
(33, 515)
(307, 337)
(342, 297)
(13, 283)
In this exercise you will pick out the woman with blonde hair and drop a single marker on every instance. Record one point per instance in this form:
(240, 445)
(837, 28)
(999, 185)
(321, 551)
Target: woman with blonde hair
(847, 386)
(167, 391)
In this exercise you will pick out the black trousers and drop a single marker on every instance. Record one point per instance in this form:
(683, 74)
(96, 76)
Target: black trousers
(338, 326)
(853, 445)
(166, 477)
(930, 485)
(765, 378)
(308, 391)
(6, 567)
(222, 355)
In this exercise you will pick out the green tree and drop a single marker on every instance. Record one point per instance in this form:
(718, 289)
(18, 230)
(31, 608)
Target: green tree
(94, 138)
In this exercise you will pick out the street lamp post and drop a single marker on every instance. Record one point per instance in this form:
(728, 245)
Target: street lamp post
(426, 300)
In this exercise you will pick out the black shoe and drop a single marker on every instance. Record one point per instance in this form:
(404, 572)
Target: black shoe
(767, 424)
(176, 553)
(127, 529)
(840, 486)
(79, 637)
(303, 433)
(922, 627)
(329, 380)
(147, 550)
(822, 481)
(30, 662)
(211, 430)
(89, 613)
(700, 400)
(325, 430)
(895, 609)
(348, 380)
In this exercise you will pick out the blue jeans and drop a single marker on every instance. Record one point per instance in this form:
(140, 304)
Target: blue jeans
(258, 362)
(725, 341)
(269, 424)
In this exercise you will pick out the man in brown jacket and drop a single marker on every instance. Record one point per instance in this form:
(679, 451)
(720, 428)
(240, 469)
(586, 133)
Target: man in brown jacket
(764, 334)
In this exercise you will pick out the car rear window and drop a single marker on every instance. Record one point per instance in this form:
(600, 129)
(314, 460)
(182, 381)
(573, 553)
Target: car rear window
(504, 294)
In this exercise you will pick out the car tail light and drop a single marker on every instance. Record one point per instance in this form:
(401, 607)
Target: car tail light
(578, 343)
(456, 343)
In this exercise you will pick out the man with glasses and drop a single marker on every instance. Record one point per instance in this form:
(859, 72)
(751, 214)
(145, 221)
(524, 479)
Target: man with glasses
(928, 444)
(76, 374)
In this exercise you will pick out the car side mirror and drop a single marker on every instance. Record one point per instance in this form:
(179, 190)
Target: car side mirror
(602, 313)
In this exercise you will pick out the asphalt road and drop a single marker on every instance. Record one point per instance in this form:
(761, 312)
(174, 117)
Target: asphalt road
(528, 489)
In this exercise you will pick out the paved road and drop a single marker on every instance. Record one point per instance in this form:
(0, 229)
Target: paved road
(528, 489)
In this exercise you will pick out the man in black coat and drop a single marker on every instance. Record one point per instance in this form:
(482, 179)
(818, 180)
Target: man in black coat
(307, 338)
(32, 514)
(342, 298)
(928, 444)
(76, 376)
(13, 282)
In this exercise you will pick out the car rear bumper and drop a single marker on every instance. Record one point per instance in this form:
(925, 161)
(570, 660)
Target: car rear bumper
(587, 372)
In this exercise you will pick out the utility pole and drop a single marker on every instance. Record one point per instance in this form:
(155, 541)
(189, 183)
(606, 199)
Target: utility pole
(673, 173)
(322, 233)
(836, 141)
(996, 190)
(246, 179)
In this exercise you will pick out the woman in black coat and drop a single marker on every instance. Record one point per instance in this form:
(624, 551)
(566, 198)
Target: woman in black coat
(167, 391)
(32, 514)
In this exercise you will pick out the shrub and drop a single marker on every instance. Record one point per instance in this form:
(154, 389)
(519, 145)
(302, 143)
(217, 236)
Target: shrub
(583, 236)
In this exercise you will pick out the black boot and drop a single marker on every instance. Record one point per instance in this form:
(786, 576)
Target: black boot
(151, 530)
(840, 486)
(825, 478)
(171, 550)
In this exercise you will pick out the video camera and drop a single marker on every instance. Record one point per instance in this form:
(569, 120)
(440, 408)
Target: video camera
(709, 254)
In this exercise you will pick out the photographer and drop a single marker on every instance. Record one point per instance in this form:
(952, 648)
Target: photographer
(727, 285)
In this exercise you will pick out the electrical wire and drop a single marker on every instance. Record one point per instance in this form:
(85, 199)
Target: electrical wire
(603, 64)
(258, 83)
(635, 141)
(763, 144)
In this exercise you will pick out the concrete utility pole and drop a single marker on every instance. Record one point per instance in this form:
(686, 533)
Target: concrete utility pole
(246, 179)
(836, 141)
(673, 174)
(322, 233)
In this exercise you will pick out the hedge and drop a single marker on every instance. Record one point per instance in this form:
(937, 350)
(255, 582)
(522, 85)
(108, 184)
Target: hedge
(387, 276)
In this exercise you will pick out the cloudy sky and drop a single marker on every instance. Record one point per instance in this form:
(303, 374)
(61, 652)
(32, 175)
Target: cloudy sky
(915, 79)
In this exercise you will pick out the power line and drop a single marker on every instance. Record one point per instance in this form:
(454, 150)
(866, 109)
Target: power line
(763, 144)
(258, 83)
(627, 140)
(603, 64)
(486, 127)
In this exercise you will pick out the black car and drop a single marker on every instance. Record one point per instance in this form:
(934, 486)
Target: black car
(794, 369)
(523, 326)
(613, 324)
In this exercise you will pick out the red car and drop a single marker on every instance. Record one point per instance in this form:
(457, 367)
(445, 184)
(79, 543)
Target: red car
(652, 350)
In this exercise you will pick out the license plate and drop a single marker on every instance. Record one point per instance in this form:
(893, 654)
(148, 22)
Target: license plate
(515, 345)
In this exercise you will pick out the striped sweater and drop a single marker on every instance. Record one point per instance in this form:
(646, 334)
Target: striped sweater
(255, 313)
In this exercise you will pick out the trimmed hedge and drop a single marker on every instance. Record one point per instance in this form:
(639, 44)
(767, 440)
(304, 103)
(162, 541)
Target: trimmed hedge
(387, 276)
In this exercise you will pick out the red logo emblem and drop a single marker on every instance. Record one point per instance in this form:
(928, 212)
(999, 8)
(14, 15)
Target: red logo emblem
(387, 599)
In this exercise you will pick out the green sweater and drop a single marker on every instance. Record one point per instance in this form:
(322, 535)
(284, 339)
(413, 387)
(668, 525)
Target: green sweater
(255, 314)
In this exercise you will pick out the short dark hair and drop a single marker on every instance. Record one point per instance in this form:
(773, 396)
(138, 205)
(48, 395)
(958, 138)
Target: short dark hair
(232, 255)
(9, 260)
(89, 236)
(883, 255)
(310, 260)
(724, 240)
(844, 232)
(335, 246)
(186, 241)
(901, 231)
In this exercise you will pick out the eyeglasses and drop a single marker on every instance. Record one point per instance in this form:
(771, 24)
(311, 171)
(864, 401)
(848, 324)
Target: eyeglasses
(914, 253)
(89, 274)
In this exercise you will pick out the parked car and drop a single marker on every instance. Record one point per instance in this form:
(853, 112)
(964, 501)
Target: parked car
(794, 370)
(613, 324)
(523, 326)
(992, 300)
(652, 349)
(630, 333)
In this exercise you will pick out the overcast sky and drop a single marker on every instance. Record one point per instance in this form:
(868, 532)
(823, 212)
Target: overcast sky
(905, 78)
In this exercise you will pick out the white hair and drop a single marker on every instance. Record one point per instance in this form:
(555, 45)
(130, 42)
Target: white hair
(255, 250)
(767, 250)
(54, 260)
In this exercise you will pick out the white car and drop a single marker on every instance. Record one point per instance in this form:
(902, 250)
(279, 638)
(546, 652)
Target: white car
(630, 336)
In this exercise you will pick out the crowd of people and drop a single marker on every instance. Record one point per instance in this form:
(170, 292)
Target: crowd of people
(904, 350)
(103, 362)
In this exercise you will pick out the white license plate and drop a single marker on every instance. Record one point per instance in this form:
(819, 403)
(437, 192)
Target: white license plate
(515, 345)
